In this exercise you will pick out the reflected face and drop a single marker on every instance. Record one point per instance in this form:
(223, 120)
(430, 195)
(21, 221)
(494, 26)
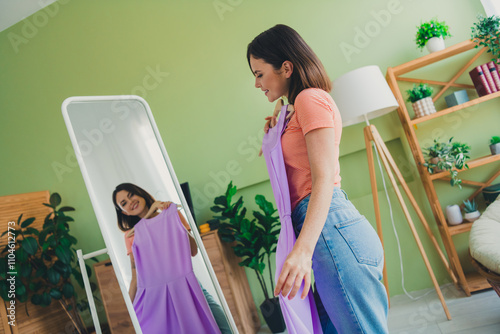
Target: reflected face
(131, 204)
(273, 83)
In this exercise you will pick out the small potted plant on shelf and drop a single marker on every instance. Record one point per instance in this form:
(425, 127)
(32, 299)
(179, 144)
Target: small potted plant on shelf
(432, 34)
(486, 33)
(447, 156)
(471, 212)
(420, 97)
(495, 145)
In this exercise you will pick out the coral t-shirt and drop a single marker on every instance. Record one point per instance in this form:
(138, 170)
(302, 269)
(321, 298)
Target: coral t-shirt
(128, 242)
(314, 109)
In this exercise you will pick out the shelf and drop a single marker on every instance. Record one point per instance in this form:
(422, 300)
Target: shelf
(460, 228)
(472, 164)
(455, 108)
(476, 282)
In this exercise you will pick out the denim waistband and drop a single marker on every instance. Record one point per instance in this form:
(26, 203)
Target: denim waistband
(301, 208)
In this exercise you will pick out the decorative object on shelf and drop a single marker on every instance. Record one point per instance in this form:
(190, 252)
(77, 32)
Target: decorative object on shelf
(45, 262)
(495, 145)
(486, 33)
(456, 98)
(491, 193)
(471, 212)
(420, 97)
(447, 156)
(204, 228)
(454, 214)
(254, 241)
(378, 100)
(432, 34)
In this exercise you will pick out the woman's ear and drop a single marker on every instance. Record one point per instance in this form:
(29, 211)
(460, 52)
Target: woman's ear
(288, 68)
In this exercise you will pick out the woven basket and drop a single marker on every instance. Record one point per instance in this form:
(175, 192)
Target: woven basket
(424, 107)
(492, 277)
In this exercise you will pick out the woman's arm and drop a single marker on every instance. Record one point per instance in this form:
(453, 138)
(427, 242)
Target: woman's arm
(192, 242)
(320, 145)
(133, 283)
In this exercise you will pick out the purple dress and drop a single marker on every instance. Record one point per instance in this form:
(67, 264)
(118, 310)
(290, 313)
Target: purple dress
(301, 316)
(169, 298)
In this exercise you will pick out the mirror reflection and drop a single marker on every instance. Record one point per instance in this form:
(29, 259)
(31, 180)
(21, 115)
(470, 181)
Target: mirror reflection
(144, 218)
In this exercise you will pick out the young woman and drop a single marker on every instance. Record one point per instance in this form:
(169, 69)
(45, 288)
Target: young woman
(165, 254)
(333, 239)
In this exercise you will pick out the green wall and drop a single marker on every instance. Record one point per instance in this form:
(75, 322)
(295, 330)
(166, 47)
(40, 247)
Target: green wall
(187, 59)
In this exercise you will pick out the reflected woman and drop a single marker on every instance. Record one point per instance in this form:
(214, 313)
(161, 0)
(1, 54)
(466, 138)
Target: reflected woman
(166, 295)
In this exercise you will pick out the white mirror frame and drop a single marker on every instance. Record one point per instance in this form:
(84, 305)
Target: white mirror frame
(99, 215)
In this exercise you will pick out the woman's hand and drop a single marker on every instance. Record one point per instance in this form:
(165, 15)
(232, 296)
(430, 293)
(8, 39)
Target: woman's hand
(158, 205)
(271, 121)
(296, 269)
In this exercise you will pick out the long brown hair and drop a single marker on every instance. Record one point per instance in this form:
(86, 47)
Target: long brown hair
(125, 222)
(281, 43)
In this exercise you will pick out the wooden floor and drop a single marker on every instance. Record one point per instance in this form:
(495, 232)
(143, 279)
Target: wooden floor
(478, 314)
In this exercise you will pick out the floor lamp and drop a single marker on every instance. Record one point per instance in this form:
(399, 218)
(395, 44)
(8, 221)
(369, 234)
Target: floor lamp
(361, 95)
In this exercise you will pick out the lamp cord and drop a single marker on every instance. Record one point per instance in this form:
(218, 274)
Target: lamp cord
(395, 231)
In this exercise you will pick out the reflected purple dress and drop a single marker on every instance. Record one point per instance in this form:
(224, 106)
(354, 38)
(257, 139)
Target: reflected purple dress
(301, 316)
(169, 298)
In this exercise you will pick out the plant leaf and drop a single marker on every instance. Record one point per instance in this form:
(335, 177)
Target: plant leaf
(27, 222)
(30, 245)
(55, 199)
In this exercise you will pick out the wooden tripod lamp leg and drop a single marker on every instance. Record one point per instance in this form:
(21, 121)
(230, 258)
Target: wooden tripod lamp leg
(380, 146)
(373, 181)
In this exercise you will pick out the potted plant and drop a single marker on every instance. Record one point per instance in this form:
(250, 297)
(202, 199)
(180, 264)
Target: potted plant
(471, 212)
(253, 241)
(45, 262)
(420, 97)
(432, 34)
(486, 32)
(447, 156)
(495, 145)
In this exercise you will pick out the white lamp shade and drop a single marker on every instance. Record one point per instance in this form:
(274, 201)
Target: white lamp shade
(361, 93)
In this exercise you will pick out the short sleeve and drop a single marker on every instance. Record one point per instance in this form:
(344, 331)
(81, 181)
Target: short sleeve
(128, 243)
(313, 108)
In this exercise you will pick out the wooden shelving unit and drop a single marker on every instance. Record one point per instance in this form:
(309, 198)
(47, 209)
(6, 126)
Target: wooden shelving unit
(470, 282)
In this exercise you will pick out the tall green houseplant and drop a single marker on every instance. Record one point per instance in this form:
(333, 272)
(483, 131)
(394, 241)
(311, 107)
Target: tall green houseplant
(45, 262)
(253, 240)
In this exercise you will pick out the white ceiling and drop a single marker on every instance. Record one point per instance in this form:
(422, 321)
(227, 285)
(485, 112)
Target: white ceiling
(13, 11)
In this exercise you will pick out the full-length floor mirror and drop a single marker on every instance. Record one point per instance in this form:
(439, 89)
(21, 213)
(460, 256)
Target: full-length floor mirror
(116, 141)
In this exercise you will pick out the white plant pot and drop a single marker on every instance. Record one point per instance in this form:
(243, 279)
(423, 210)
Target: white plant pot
(424, 107)
(471, 216)
(454, 214)
(435, 44)
(495, 149)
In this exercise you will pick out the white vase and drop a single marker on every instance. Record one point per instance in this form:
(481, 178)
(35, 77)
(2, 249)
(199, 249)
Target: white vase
(435, 44)
(471, 216)
(454, 214)
(423, 107)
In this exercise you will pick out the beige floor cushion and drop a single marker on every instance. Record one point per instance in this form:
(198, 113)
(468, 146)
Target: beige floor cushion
(484, 239)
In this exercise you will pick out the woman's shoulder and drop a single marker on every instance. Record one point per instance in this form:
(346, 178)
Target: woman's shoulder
(314, 94)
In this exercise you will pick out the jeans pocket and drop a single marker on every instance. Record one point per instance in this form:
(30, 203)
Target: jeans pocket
(362, 240)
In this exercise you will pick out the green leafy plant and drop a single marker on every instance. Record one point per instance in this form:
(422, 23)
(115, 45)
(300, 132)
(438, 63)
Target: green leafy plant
(45, 261)
(486, 32)
(252, 240)
(495, 140)
(419, 92)
(450, 155)
(470, 206)
(430, 29)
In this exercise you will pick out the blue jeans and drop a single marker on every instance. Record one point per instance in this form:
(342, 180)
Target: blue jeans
(347, 266)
